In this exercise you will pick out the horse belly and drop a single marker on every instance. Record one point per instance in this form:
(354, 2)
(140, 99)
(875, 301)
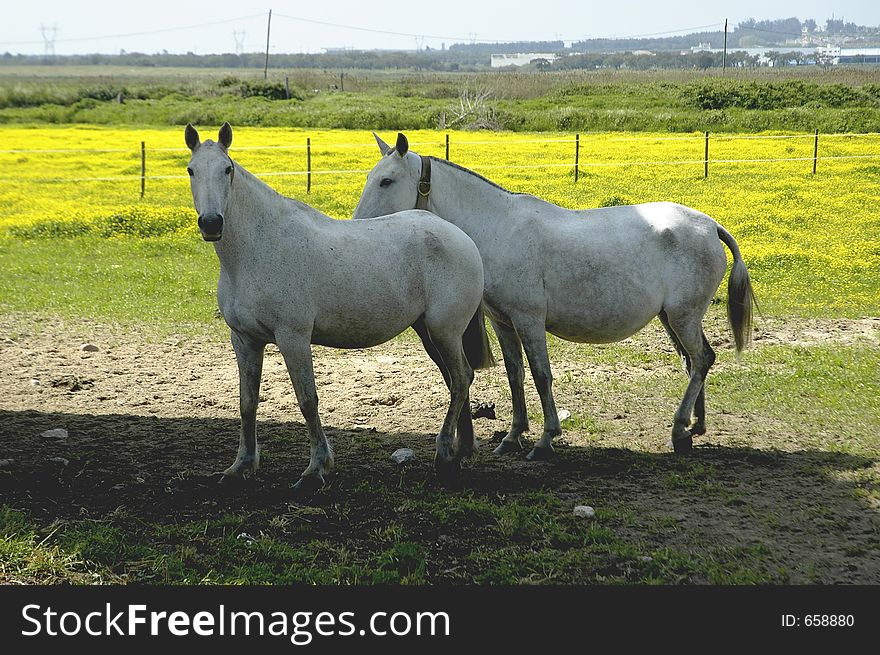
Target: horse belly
(363, 327)
(601, 311)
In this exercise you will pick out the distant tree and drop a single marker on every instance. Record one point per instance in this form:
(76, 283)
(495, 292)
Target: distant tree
(542, 64)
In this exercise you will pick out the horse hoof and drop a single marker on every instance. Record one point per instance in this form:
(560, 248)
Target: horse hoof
(541, 454)
(306, 486)
(228, 481)
(683, 445)
(506, 447)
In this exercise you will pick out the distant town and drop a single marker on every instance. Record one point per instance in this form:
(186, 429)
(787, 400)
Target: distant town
(751, 43)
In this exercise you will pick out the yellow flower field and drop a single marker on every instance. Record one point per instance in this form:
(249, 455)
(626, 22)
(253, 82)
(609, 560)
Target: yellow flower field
(811, 241)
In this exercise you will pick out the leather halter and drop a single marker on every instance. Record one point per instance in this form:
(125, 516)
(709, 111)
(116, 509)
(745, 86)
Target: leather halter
(424, 188)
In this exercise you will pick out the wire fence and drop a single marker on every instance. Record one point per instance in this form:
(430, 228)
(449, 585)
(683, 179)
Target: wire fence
(578, 159)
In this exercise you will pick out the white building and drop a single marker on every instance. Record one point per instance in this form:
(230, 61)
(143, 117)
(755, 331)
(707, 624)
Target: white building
(518, 59)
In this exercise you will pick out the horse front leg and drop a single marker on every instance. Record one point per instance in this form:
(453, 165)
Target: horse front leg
(297, 353)
(533, 335)
(511, 350)
(249, 355)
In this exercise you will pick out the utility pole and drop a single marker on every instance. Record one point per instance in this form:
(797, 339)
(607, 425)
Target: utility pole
(49, 34)
(268, 31)
(724, 54)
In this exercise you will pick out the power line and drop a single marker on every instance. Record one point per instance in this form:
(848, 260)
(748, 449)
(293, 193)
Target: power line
(130, 34)
(471, 38)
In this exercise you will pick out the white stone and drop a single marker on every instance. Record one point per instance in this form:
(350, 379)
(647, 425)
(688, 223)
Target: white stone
(584, 511)
(563, 415)
(403, 455)
(60, 460)
(55, 433)
(35, 382)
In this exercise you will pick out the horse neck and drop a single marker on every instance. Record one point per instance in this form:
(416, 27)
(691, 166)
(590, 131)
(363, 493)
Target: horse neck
(254, 210)
(467, 201)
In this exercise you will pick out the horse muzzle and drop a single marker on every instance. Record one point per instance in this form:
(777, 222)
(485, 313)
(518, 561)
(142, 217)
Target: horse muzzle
(211, 227)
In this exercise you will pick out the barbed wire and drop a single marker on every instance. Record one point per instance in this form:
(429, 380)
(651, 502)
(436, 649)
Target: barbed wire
(354, 171)
(585, 139)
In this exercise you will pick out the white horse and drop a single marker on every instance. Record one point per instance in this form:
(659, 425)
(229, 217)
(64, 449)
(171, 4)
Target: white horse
(292, 276)
(595, 276)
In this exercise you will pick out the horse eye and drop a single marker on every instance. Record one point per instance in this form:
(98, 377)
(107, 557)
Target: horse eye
(228, 170)
(386, 181)
(190, 171)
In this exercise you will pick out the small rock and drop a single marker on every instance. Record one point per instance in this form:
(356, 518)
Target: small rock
(584, 511)
(646, 558)
(35, 382)
(60, 460)
(89, 348)
(563, 415)
(6, 463)
(403, 455)
(55, 433)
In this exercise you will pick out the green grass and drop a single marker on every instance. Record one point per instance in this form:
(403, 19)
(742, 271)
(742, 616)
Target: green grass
(164, 282)
(532, 539)
(801, 99)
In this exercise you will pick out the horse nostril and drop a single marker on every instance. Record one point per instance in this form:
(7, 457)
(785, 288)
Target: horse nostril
(211, 226)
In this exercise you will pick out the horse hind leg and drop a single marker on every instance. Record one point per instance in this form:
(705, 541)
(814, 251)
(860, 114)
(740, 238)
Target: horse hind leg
(698, 425)
(692, 342)
(465, 429)
(447, 460)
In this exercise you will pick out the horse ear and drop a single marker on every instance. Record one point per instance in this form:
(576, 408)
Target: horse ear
(192, 137)
(384, 148)
(225, 136)
(402, 145)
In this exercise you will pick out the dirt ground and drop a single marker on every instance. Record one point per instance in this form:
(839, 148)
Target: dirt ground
(151, 417)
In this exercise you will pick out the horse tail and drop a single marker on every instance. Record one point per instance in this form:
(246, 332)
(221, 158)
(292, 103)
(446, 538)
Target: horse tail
(475, 342)
(740, 295)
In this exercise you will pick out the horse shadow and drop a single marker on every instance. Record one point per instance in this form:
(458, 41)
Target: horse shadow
(153, 462)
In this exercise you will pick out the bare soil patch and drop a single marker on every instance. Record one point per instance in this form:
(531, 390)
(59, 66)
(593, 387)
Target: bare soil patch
(150, 419)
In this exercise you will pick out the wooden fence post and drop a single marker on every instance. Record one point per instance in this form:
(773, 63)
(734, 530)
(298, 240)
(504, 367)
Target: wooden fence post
(308, 165)
(706, 158)
(577, 155)
(447, 147)
(815, 151)
(143, 168)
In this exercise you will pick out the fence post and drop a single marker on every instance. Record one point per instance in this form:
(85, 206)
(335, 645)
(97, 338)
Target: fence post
(706, 158)
(143, 168)
(308, 165)
(815, 151)
(447, 147)
(577, 155)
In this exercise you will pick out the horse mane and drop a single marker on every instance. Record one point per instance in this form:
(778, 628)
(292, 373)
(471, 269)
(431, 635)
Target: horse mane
(476, 175)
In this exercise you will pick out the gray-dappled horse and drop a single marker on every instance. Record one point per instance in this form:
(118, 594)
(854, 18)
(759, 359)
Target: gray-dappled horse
(597, 275)
(292, 276)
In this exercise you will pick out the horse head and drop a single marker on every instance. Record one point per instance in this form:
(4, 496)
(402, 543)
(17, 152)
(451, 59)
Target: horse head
(393, 184)
(211, 172)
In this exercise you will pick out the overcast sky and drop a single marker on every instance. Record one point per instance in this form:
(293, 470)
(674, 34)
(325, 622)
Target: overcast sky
(108, 26)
